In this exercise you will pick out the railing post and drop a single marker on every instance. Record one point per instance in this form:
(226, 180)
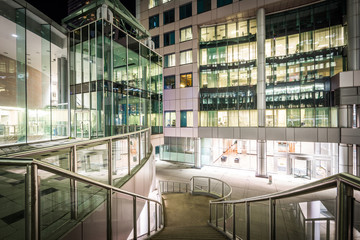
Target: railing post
(209, 181)
(110, 163)
(344, 211)
(28, 202)
(73, 184)
(210, 215)
(224, 212)
(216, 214)
(247, 219)
(139, 141)
(222, 189)
(128, 142)
(272, 218)
(156, 216)
(148, 211)
(234, 221)
(35, 226)
(109, 214)
(134, 217)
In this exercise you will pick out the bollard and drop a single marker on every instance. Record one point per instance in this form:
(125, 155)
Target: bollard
(270, 179)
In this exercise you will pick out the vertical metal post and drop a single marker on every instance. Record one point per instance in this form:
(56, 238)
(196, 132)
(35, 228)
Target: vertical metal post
(173, 186)
(344, 211)
(209, 181)
(247, 219)
(110, 163)
(224, 217)
(73, 184)
(156, 217)
(148, 213)
(134, 217)
(234, 221)
(28, 202)
(109, 214)
(272, 218)
(313, 230)
(139, 137)
(222, 189)
(146, 144)
(327, 229)
(216, 214)
(35, 234)
(210, 215)
(128, 141)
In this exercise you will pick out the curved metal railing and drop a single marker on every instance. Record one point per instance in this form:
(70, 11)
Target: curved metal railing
(214, 187)
(241, 216)
(173, 187)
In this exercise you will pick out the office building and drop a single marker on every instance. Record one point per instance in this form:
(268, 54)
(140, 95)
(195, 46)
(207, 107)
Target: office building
(267, 86)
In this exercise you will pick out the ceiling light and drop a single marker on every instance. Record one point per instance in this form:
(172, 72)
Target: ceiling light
(14, 35)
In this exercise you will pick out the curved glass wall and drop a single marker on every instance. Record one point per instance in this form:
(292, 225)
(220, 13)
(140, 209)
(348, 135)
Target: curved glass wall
(115, 81)
(33, 73)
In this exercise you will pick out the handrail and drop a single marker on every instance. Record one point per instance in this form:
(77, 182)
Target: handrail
(72, 144)
(215, 179)
(343, 182)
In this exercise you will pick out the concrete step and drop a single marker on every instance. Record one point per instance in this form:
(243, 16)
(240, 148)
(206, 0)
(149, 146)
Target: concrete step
(193, 232)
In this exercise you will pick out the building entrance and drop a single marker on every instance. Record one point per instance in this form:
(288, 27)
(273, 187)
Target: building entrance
(82, 124)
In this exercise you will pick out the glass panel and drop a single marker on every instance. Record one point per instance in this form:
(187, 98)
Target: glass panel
(92, 162)
(134, 150)
(122, 216)
(119, 159)
(293, 117)
(244, 118)
(321, 39)
(259, 219)
(293, 41)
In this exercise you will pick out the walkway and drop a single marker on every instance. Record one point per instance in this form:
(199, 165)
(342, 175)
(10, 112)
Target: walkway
(186, 217)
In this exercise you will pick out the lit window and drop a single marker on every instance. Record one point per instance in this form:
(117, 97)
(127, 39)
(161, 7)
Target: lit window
(186, 80)
(153, 3)
(169, 82)
(185, 34)
(186, 118)
(170, 119)
(165, 1)
(186, 57)
(169, 60)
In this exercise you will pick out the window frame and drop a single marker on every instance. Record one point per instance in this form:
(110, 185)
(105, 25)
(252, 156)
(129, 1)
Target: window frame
(158, 21)
(184, 8)
(169, 34)
(166, 16)
(184, 28)
(166, 56)
(188, 73)
(185, 51)
(169, 76)
(186, 111)
(170, 125)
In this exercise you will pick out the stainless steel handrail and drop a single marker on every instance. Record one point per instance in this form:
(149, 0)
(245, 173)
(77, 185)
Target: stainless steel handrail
(344, 183)
(215, 179)
(72, 144)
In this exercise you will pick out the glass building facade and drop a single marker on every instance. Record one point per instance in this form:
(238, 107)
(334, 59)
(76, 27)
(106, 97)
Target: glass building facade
(94, 81)
(303, 49)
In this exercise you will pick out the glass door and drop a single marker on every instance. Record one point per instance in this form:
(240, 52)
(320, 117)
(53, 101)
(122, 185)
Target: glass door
(82, 121)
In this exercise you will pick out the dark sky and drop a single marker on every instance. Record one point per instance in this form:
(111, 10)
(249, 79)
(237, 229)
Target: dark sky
(57, 9)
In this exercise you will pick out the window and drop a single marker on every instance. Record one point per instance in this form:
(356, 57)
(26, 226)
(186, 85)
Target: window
(154, 21)
(185, 11)
(165, 1)
(169, 16)
(186, 118)
(169, 38)
(186, 80)
(170, 119)
(203, 6)
(186, 57)
(169, 60)
(153, 3)
(156, 41)
(221, 3)
(169, 82)
(185, 34)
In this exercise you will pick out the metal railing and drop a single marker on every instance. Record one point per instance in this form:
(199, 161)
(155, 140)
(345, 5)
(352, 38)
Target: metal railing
(211, 187)
(173, 187)
(34, 199)
(241, 216)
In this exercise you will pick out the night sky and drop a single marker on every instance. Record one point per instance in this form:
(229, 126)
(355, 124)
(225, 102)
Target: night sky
(57, 9)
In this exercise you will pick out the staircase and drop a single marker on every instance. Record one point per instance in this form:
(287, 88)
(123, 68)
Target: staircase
(186, 217)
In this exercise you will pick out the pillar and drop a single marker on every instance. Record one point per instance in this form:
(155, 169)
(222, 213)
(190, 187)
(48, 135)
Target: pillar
(197, 153)
(353, 20)
(261, 102)
(357, 161)
(345, 116)
(345, 158)
(261, 170)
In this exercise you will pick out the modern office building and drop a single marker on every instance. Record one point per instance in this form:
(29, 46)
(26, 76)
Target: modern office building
(268, 86)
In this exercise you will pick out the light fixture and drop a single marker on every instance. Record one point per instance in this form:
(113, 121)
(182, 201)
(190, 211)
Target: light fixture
(14, 35)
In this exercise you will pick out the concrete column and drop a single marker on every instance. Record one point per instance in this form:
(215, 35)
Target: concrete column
(197, 153)
(261, 169)
(353, 21)
(358, 116)
(345, 158)
(345, 116)
(357, 162)
(260, 35)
